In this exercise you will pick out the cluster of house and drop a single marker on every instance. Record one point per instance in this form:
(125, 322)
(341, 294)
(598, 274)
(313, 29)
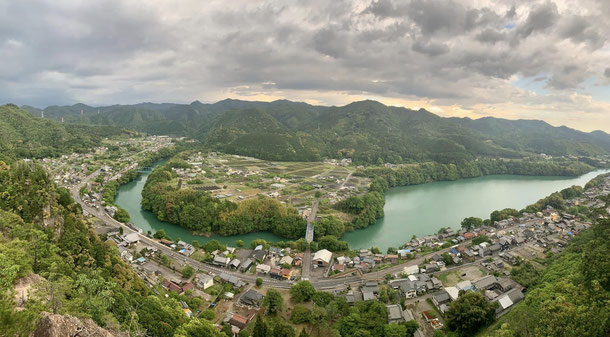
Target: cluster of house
(501, 290)
(177, 286)
(182, 247)
(397, 315)
(261, 259)
(339, 162)
(283, 262)
(589, 197)
(416, 284)
(252, 301)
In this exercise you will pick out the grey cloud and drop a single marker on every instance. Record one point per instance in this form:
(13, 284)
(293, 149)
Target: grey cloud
(438, 16)
(510, 14)
(330, 42)
(430, 48)
(450, 51)
(607, 72)
(580, 29)
(490, 36)
(569, 77)
(539, 19)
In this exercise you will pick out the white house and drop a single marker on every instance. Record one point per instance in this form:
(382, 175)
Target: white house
(263, 268)
(204, 281)
(322, 257)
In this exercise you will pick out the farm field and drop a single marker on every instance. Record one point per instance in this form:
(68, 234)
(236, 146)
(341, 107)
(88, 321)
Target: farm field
(239, 178)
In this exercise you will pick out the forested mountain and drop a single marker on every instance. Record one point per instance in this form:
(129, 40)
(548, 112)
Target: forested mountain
(23, 135)
(367, 131)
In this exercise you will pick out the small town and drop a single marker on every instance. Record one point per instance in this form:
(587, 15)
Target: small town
(416, 281)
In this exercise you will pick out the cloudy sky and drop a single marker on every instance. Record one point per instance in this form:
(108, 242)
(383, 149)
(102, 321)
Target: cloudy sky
(530, 59)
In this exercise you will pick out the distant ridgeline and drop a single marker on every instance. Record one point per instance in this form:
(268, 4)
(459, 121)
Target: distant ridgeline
(25, 136)
(367, 131)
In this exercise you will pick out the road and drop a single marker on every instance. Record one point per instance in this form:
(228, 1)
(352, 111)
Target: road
(108, 220)
(306, 267)
(346, 179)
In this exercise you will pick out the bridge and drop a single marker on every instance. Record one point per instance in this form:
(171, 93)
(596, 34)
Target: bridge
(310, 220)
(146, 169)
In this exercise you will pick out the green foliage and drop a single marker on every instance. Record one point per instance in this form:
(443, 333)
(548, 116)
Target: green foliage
(480, 239)
(331, 243)
(273, 302)
(469, 313)
(197, 328)
(188, 271)
(300, 314)
(366, 208)
(82, 276)
(199, 211)
(160, 234)
(281, 328)
(503, 214)
(259, 281)
(526, 274)
(570, 297)
(261, 329)
(329, 226)
(302, 291)
(472, 222)
(367, 131)
(25, 136)
(121, 215)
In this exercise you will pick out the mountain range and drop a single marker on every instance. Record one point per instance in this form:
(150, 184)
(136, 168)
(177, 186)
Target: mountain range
(367, 131)
(25, 136)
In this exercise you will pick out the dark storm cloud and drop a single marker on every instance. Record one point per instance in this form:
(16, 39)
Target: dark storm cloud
(122, 52)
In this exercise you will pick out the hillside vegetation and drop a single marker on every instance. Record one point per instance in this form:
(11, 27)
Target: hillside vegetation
(367, 131)
(25, 136)
(572, 295)
(47, 244)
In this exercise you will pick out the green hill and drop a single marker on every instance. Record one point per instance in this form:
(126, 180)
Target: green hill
(367, 131)
(25, 136)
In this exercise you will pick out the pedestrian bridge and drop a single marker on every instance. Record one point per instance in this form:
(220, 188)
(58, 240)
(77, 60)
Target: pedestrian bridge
(146, 169)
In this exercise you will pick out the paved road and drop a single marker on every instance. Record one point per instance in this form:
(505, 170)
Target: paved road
(105, 217)
(306, 267)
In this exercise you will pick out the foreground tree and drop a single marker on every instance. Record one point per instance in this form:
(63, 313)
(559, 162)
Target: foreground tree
(469, 313)
(261, 329)
(471, 222)
(302, 291)
(273, 301)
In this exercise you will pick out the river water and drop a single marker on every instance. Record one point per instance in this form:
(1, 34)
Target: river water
(411, 210)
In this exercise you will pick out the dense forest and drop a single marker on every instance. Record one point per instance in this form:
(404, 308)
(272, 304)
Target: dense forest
(25, 136)
(200, 212)
(367, 131)
(384, 178)
(45, 239)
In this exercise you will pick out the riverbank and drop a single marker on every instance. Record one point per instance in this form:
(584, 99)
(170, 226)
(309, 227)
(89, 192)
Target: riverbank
(427, 208)
(424, 209)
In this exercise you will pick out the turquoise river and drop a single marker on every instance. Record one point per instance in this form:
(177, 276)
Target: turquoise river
(412, 210)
